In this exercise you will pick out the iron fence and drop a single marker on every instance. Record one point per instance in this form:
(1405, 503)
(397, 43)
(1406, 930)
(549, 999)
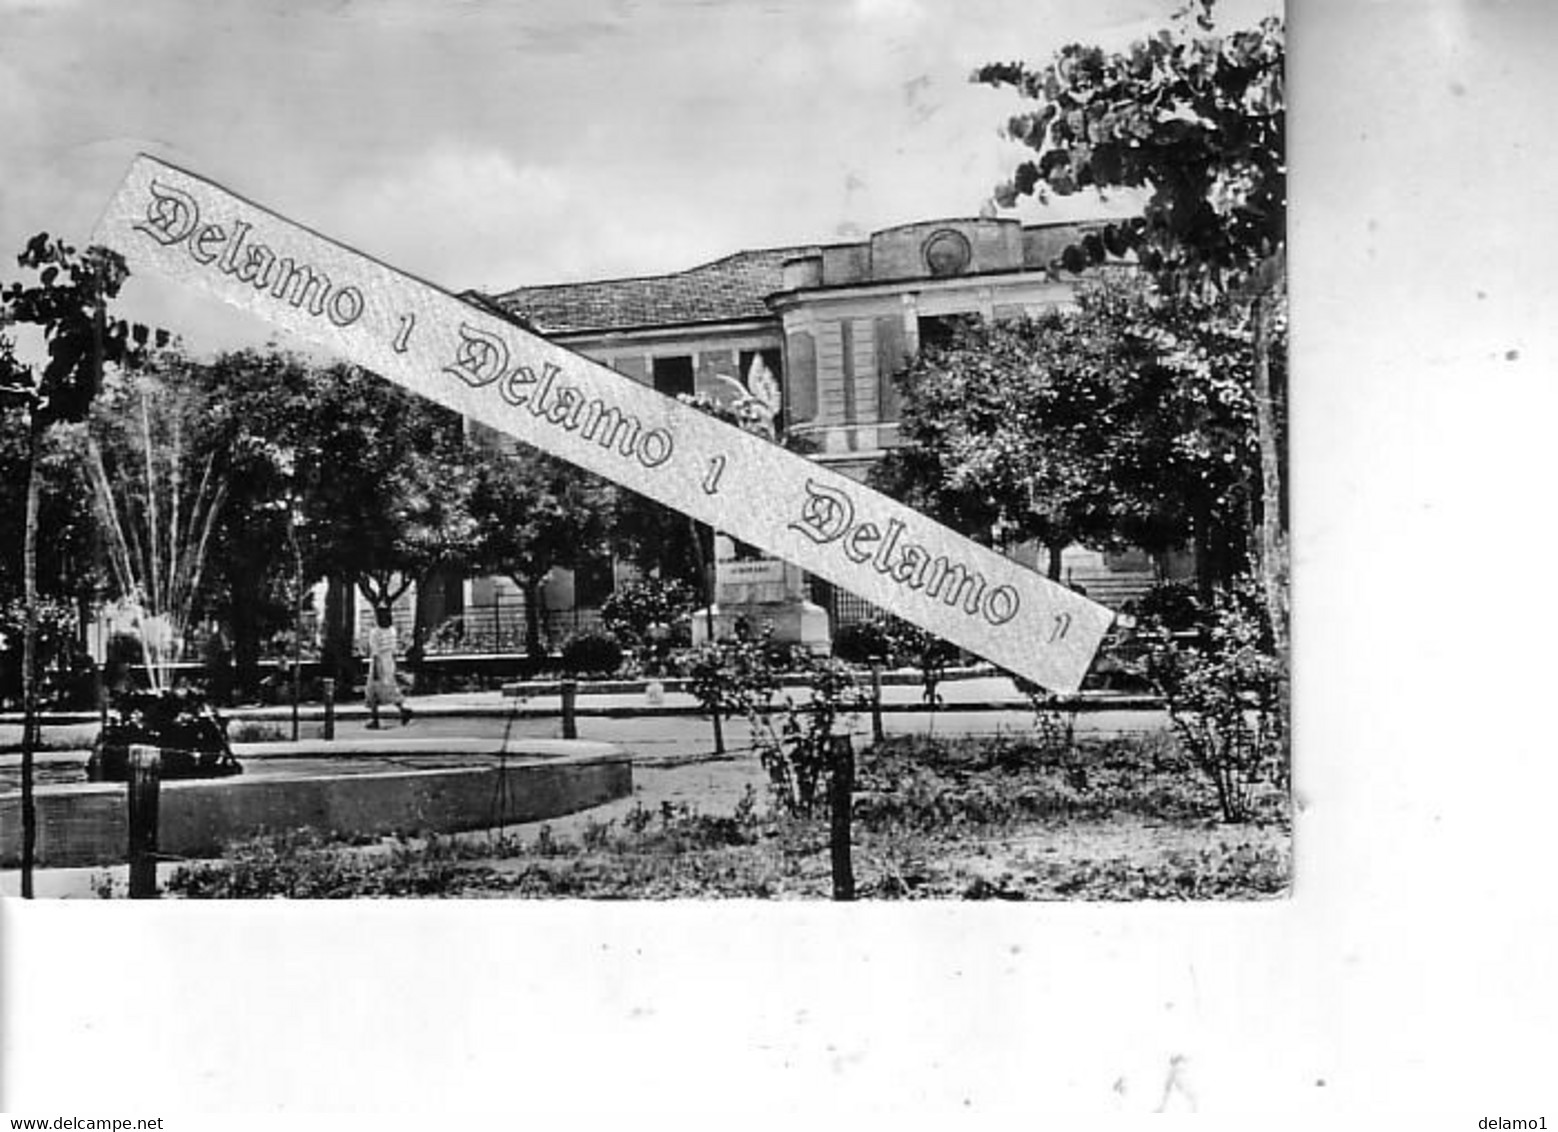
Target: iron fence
(498, 628)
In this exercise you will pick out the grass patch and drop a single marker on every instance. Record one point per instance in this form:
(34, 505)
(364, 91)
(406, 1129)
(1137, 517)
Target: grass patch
(975, 819)
(930, 783)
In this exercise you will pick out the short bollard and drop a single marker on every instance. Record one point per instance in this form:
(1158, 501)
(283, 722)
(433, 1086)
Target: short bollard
(570, 697)
(876, 699)
(145, 787)
(329, 694)
(841, 791)
(719, 731)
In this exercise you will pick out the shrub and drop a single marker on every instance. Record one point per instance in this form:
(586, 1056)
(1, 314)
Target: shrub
(1173, 606)
(679, 828)
(797, 750)
(307, 864)
(297, 864)
(732, 677)
(448, 637)
(592, 652)
(793, 737)
(652, 616)
(927, 652)
(1054, 717)
(862, 642)
(899, 643)
(650, 609)
(1224, 697)
(787, 656)
(58, 658)
(596, 836)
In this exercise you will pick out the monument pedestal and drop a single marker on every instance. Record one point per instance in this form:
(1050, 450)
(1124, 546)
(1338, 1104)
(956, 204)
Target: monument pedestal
(799, 622)
(762, 596)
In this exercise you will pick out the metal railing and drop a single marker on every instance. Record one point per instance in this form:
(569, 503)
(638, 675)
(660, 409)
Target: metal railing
(845, 608)
(499, 629)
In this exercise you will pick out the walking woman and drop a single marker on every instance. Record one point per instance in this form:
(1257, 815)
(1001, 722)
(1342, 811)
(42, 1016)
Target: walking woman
(383, 687)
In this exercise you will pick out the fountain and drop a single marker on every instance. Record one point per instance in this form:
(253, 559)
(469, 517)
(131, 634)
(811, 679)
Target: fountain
(158, 525)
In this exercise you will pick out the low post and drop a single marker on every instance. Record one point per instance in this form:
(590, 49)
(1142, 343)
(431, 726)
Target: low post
(570, 697)
(296, 691)
(876, 699)
(145, 786)
(329, 694)
(719, 728)
(841, 789)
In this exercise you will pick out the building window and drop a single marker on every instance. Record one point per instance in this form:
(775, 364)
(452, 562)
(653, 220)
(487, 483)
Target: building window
(673, 376)
(892, 359)
(773, 361)
(801, 387)
(938, 331)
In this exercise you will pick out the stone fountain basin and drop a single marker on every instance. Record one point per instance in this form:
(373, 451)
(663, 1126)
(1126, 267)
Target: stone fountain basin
(360, 787)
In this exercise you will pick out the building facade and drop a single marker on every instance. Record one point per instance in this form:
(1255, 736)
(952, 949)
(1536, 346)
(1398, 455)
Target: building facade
(830, 324)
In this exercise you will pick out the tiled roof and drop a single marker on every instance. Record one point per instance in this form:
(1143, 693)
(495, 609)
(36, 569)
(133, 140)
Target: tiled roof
(728, 289)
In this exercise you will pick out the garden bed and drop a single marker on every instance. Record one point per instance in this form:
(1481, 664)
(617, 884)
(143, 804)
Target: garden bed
(1004, 818)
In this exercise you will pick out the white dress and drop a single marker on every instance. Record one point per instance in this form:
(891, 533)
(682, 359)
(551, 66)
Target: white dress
(383, 688)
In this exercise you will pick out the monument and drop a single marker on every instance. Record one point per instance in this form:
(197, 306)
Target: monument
(757, 596)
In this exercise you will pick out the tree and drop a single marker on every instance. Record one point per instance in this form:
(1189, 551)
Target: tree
(381, 499)
(668, 543)
(1122, 422)
(257, 403)
(331, 473)
(68, 302)
(66, 571)
(1197, 121)
(57, 645)
(533, 513)
(661, 541)
(950, 394)
(970, 457)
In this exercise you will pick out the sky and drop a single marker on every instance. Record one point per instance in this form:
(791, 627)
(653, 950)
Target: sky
(492, 145)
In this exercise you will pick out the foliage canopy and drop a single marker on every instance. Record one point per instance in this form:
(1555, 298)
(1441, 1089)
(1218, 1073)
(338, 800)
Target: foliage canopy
(1196, 119)
(1122, 422)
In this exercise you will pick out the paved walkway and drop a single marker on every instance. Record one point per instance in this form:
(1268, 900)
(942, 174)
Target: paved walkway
(978, 693)
(674, 730)
(652, 734)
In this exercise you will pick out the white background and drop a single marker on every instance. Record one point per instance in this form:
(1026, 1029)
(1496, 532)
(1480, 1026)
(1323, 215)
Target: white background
(1409, 974)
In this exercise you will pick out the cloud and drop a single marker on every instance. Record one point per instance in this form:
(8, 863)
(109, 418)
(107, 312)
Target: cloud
(450, 210)
(477, 216)
(895, 11)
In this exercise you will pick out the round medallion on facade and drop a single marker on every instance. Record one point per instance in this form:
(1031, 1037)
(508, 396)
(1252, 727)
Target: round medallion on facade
(947, 252)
